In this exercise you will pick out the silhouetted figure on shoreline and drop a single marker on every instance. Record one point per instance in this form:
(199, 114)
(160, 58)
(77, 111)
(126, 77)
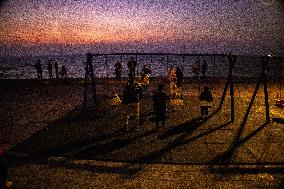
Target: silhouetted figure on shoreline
(49, 69)
(56, 69)
(206, 99)
(132, 95)
(179, 76)
(4, 182)
(196, 68)
(160, 105)
(204, 68)
(117, 70)
(63, 74)
(38, 68)
(132, 66)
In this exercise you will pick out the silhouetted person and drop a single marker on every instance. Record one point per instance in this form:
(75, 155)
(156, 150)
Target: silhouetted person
(63, 74)
(38, 68)
(179, 76)
(196, 68)
(206, 99)
(56, 69)
(204, 68)
(49, 69)
(132, 66)
(160, 105)
(4, 183)
(132, 96)
(117, 70)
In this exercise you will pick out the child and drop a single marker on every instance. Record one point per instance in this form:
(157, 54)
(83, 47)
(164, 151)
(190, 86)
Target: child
(114, 102)
(160, 105)
(206, 99)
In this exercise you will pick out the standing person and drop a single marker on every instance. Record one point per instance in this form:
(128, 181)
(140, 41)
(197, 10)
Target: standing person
(117, 70)
(196, 68)
(38, 68)
(4, 182)
(160, 105)
(172, 80)
(204, 68)
(145, 77)
(49, 69)
(179, 76)
(132, 95)
(132, 66)
(206, 99)
(56, 69)
(63, 72)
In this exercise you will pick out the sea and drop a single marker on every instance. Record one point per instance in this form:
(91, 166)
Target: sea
(245, 66)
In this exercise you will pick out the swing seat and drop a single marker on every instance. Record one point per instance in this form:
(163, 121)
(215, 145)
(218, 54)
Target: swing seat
(279, 104)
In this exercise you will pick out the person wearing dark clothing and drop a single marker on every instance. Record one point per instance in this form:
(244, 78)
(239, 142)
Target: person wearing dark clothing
(204, 68)
(179, 76)
(49, 69)
(145, 71)
(56, 69)
(160, 105)
(132, 95)
(4, 183)
(38, 69)
(206, 99)
(63, 72)
(117, 70)
(132, 66)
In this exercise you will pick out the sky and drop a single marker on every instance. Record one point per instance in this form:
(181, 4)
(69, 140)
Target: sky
(30, 27)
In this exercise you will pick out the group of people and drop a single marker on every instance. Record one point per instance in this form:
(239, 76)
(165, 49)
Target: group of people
(62, 73)
(133, 94)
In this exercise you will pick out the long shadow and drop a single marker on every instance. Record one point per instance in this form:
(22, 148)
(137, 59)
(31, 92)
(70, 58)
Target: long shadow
(226, 156)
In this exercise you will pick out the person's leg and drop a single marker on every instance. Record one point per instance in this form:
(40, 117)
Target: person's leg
(201, 111)
(206, 111)
(163, 119)
(138, 114)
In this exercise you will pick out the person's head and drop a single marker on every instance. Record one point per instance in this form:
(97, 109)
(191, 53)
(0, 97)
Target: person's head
(132, 58)
(160, 86)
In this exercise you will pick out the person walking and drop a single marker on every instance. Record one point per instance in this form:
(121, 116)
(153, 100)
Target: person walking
(38, 68)
(160, 105)
(132, 95)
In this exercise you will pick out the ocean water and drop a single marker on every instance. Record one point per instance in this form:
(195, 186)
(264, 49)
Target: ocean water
(245, 66)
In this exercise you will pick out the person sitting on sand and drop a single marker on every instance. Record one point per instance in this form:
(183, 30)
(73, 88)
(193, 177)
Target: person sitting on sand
(206, 99)
(38, 69)
(132, 96)
(4, 182)
(114, 102)
(160, 105)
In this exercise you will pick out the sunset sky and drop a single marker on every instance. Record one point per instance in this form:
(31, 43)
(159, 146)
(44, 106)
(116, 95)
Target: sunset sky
(244, 26)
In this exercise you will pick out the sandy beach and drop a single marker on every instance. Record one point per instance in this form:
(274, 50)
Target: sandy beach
(44, 119)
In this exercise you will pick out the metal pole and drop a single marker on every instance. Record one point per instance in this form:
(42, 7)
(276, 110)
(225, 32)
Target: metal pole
(232, 60)
(85, 106)
(90, 64)
(264, 75)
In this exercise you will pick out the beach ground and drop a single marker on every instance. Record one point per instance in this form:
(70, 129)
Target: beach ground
(50, 143)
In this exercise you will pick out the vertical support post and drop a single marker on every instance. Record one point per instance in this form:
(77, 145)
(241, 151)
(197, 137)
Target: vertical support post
(232, 60)
(85, 105)
(91, 72)
(214, 62)
(264, 75)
